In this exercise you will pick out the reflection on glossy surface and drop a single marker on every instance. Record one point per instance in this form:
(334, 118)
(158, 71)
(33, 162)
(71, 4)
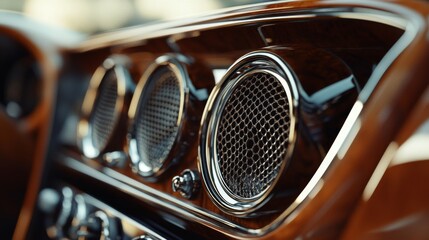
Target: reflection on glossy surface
(415, 148)
(379, 170)
(395, 201)
(320, 42)
(398, 207)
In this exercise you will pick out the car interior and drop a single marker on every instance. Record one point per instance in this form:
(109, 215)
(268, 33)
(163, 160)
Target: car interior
(269, 120)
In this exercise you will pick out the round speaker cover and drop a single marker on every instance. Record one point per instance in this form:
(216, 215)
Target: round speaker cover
(157, 112)
(248, 132)
(103, 106)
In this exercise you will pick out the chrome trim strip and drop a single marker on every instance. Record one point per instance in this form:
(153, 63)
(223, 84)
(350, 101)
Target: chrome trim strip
(163, 30)
(410, 33)
(156, 198)
(176, 66)
(412, 23)
(104, 207)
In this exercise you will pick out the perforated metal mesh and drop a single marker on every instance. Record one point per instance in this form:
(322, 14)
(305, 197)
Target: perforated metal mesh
(253, 131)
(103, 117)
(157, 120)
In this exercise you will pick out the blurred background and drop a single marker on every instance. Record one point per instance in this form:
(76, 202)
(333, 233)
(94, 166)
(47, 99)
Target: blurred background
(95, 16)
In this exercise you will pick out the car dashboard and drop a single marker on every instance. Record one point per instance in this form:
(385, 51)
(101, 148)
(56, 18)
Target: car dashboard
(279, 120)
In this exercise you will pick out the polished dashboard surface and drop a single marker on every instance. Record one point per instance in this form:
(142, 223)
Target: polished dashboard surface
(351, 81)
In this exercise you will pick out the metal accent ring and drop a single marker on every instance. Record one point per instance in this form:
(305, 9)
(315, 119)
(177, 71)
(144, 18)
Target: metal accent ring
(157, 113)
(248, 132)
(103, 105)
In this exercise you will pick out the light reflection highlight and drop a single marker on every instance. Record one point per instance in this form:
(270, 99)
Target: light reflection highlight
(379, 171)
(415, 148)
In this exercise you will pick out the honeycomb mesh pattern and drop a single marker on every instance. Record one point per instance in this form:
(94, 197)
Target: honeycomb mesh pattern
(253, 132)
(157, 118)
(103, 117)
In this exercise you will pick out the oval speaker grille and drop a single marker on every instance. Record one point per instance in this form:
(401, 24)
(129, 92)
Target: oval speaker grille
(103, 117)
(157, 119)
(248, 133)
(252, 137)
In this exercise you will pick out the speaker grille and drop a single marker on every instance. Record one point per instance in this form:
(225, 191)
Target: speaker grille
(252, 137)
(103, 117)
(157, 119)
(248, 133)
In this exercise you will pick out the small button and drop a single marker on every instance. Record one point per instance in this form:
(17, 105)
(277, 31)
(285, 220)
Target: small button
(187, 183)
(116, 158)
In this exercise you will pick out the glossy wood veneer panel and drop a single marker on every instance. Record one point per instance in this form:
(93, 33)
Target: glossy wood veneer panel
(394, 205)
